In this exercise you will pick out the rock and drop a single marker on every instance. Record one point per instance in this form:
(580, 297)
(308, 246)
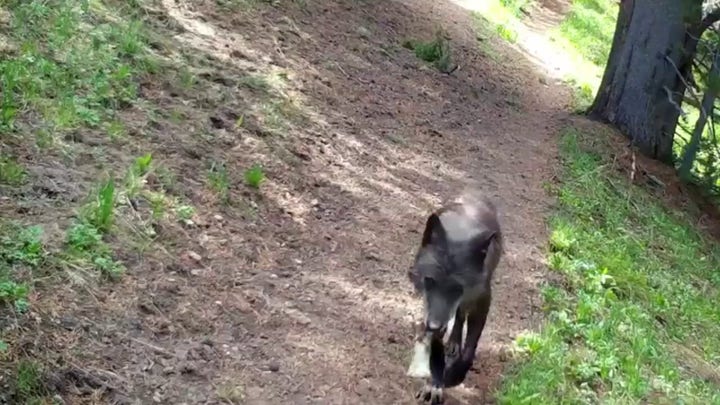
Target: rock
(193, 255)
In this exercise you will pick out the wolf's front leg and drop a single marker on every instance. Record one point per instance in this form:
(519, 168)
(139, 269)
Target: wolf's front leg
(433, 392)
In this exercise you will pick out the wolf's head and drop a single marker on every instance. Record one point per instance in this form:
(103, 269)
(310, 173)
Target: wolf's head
(446, 268)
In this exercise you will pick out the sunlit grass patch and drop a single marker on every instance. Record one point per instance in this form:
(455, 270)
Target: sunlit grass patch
(637, 281)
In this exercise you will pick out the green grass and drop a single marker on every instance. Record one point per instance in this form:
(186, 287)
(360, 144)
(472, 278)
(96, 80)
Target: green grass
(589, 27)
(11, 172)
(436, 51)
(21, 249)
(219, 180)
(29, 387)
(586, 35)
(254, 176)
(70, 68)
(635, 317)
(86, 250)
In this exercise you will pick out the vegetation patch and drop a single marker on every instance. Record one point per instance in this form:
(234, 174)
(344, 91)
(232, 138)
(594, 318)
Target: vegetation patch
(638, 281)
(62, 72)
(437, 51)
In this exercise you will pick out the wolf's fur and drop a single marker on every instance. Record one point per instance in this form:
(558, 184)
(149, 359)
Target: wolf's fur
(460, 249)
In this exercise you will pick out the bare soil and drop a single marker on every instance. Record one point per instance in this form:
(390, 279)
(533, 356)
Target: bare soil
(297, 293)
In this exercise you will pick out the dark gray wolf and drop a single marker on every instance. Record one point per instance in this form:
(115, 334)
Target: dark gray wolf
(453, 269)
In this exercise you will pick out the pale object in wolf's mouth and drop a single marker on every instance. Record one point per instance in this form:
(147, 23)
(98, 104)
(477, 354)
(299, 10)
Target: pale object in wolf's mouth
(420, 364)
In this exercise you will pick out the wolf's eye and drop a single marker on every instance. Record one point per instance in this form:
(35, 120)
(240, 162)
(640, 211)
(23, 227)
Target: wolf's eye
(428, 282)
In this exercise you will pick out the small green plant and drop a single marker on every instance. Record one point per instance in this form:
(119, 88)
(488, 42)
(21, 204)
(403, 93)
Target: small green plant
(28, 381)
(21, 245)
(186, 79)
(436, 51)
(11, 173)
(158, 204)
(86, 248)
(141, 166)
(12, 293)
(184, 212)
(100, 212)
(83, 237)
(506, 33)
(135, 176)
(254, 176)
(219, 179)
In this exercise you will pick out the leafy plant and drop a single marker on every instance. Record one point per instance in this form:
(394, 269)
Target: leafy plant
(102, 210)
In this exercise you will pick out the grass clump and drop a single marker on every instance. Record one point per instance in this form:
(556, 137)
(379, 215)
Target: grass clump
(29, 387)
(437, 51)
(11, 173)
(638, 282)
(219, 180)
(589, 27)
(70, 68)
(254, 176)
(21, 249)
(87, 250)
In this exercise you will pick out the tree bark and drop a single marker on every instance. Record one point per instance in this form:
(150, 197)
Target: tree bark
(643, 84)
(706, 108)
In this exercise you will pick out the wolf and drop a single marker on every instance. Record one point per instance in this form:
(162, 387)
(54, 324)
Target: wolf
(453, 269)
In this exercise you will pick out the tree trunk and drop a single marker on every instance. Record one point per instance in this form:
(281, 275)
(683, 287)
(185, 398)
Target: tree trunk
(706, 108)
(651, 49)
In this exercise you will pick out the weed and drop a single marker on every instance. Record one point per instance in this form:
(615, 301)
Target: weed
(115, 130)
(11, 173)
(254, 176)
(14, 294)
(186, 79)
(583, 96)
(436, 51)
(87, 249)
(256, 82)
(219, 179)
(21, 245)
(231, 393)
(506, 33)
(158, 204)
(278, 112)
(185, 212)
(627, 299)
(28, 381)
(101, 211)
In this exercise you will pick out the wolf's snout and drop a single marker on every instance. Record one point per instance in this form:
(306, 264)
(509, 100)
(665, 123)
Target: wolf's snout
(434, 326)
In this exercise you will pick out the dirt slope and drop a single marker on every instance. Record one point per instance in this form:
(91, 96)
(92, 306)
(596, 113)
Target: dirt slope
(297, 293)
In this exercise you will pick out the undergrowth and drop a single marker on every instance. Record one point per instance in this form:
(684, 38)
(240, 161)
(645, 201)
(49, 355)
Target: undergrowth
(436, 51)
(70, 66)
(635, 318)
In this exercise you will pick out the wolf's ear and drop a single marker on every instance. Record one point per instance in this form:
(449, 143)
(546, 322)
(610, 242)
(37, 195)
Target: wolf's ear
(481, 243)
(434, 232)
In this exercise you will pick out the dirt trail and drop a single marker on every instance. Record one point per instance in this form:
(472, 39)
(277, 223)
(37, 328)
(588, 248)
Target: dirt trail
(301, 296)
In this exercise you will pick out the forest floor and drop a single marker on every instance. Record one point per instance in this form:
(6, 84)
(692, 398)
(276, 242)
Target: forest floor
(192, 282)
